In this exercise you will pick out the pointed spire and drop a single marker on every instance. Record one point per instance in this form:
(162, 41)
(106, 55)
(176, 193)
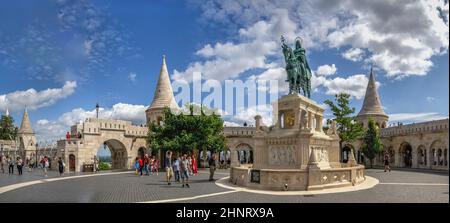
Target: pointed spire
(7, 112)
(25, 127)
(163, 92)
(372, 103)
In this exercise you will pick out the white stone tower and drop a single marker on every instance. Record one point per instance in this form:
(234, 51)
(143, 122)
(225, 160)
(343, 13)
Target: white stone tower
(163, 96)
(27, 137)
(371, 107)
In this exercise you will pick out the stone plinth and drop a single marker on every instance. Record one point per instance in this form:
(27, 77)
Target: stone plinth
(296, 154)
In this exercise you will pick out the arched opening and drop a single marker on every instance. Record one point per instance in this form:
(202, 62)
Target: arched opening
(406, 155)
(224, 159)
(438, 153)
(118, 152)
(421, 156)
(245, 153)
(72, 163)
(346, 152)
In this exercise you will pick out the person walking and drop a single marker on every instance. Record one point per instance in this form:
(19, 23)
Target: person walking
(176, 169)
(190, 165)
(212, 167)
(194, 165)
(45, 165)
(184, 171)
(141, 166)
(10, 165)
(386, 163)
(61, 166)
(168, 166)
(152, 160)
(19, 165)
(156, 166)
(146, 164)
(2, 162)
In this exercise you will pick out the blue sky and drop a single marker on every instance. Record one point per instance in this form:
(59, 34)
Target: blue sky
(61, 57)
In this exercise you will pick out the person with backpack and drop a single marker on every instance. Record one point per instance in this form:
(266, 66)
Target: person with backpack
(61, 166)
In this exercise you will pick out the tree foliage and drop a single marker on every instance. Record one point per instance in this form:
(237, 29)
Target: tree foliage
(349, 129)
(371, 144)
(187, 131)
(7, 129)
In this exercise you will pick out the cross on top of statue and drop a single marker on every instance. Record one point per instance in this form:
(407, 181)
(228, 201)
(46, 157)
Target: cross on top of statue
(297, 68)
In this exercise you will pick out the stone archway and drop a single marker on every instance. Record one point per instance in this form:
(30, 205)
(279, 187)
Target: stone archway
(438, 153)
(405, 152)
(119, 155)
(346, 150)
(244, 153)
(421, 156)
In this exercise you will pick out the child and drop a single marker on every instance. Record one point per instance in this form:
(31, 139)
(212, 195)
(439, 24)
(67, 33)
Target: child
(136, 165)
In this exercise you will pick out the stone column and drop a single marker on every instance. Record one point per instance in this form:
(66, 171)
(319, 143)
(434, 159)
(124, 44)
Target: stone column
(318, 123)
(309, 120)
(415, 157)
(234, 157)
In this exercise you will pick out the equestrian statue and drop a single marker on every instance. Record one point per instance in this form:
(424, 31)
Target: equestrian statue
(297, 68)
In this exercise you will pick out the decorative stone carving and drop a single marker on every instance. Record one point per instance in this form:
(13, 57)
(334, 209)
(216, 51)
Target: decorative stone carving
(282, 155)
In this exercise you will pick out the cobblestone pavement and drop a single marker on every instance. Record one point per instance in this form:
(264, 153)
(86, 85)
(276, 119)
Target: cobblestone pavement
(395, 186)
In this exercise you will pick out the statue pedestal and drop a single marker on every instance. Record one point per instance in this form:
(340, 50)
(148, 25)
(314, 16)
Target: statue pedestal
(296, 154)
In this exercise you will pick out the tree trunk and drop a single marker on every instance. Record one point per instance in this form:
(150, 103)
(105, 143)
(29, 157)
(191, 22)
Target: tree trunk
(371, 162)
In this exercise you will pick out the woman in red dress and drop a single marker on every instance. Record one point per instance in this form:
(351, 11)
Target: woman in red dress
(194, 165)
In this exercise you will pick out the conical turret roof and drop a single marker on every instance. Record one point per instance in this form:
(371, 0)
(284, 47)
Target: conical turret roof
(372, 104)
(163, 93)
(25, 127)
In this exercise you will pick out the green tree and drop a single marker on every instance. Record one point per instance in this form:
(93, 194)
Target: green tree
(7, 129)
(371, 144)
(349, 129)
(196, 129)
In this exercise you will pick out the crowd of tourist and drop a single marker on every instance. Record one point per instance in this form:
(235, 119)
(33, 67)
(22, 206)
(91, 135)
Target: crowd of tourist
(178, 167)
(29, 164)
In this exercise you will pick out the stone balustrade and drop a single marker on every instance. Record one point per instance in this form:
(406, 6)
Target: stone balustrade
(416, 128)
(239, 131)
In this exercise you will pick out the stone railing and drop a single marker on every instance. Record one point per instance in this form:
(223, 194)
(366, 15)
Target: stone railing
(239, 131)
(69, 142)
(416, 128)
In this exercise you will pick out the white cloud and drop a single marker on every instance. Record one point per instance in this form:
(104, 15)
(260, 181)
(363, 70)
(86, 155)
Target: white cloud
(380, 32)
(326, 70)
(416, 117)
(256, 43)
(56, 129)
(354, 85)
(430, 99)
(353, 54)
(248, 115)
(33, 99)
(132, 76)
